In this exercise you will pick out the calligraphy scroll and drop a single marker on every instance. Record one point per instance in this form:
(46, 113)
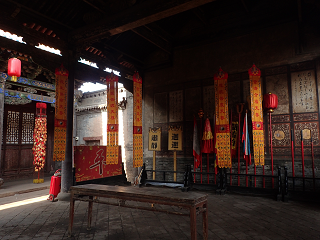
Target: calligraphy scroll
(60, 121)
(137, 121)
(112, 125)
(176, 106)
(304, 94)
(222, 119)
(256, 115)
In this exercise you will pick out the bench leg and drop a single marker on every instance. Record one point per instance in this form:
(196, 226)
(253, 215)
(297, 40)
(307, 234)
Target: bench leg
(205, 221)
(71, 215)
(90, 212)
(193, 223)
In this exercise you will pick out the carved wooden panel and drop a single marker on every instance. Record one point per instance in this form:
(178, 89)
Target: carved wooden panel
(27, 128)
(279, 118)
(280, 135)
(26, 159)
(160, 108)
(208, 100)
(13, 127)
(278, 85)
(307, 152)
(176, 106)
(192, 102)
(234, 96)
(313, 128)
(282, 151)
(303, 86)
(276, 70)
(12, 157)
(305, 117)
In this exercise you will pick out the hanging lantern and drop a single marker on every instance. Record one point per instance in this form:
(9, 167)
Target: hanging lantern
(14, 68)
(41, 109)
(270, 102)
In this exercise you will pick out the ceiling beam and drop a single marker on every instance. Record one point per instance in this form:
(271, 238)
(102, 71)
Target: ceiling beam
(137, 16)
(152, 37)
(40, 14)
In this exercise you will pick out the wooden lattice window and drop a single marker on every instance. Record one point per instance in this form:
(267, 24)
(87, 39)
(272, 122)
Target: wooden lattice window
(13, 127)
(27, 128)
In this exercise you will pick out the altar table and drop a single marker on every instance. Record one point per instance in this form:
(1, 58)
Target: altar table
(192, 202)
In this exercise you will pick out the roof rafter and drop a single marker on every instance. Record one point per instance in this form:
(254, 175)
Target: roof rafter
(145, 13)
(151, 36)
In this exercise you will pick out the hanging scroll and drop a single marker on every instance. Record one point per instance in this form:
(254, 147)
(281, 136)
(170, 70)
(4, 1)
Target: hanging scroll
(137, 121)
(256, 115)
(222, 119)
(112, 125)
(60, 121)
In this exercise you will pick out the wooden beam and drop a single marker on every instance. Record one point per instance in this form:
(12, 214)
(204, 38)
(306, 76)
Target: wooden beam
(245, 6)
(131, 18)
(40, 14)
(154, 38)
(201, 16)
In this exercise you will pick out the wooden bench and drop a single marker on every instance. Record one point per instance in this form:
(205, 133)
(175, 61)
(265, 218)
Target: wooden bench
(193, 202)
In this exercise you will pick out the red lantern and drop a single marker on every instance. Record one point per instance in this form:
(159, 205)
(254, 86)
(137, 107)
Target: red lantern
(14, 68)
(270, 102)
(41, 108)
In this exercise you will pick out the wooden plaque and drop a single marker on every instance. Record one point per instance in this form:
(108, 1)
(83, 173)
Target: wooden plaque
(154, 139)
(175, 138)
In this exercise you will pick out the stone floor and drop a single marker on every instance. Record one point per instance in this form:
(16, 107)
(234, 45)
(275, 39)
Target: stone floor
(231, 216)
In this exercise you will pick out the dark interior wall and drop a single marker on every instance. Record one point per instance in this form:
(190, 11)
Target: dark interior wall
(191, 77)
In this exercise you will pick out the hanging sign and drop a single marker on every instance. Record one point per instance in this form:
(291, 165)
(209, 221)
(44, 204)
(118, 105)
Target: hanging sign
(154, 139)
(256, 115)
(137, 121)
(60, 118)
(175, 138)
(112, 126)
(222, 127)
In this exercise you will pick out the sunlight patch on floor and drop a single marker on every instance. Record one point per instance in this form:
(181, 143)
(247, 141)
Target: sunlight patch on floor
(23, 202)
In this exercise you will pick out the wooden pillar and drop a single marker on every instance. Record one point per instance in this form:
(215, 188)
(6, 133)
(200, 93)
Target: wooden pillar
(66, 168)
(2, 84)
(175, 165)
(154, 166)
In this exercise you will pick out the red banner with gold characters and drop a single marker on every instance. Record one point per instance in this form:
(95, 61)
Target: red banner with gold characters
(256, 115)
(222, 119)
(90, 163)
(112, 126)
(137, 121)
(60, 126)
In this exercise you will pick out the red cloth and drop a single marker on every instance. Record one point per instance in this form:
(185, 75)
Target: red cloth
(196, 145)
(207, 139)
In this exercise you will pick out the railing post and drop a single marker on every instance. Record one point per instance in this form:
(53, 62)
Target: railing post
(279, 193)
(222, 176)
(164, 176)
(219, 173)
(285, 194)
(225, 180)
(187, 180)
(144, 175)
